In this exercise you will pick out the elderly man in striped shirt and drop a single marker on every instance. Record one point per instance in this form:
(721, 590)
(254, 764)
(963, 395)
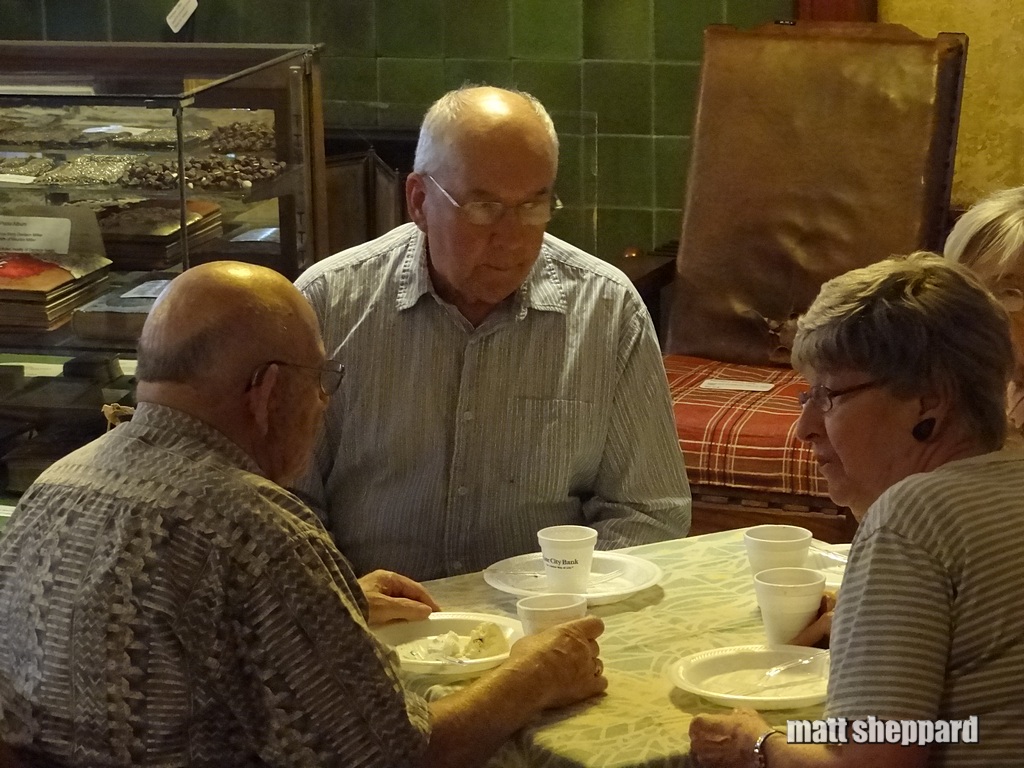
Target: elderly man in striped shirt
(501, 379)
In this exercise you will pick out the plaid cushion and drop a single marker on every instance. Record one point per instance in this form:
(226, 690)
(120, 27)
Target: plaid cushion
(737, 438)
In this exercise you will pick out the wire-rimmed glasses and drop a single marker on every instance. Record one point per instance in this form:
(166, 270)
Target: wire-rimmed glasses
(485, 213)
(331, 374)
(821, 396)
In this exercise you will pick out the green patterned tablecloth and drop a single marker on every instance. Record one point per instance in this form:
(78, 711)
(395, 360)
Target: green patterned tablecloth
(705, 600)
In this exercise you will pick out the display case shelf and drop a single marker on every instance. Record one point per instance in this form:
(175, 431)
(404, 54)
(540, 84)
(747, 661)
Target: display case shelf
(284, 184)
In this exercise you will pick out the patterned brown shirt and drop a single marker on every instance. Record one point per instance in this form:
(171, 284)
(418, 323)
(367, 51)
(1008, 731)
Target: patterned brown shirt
(162, 603)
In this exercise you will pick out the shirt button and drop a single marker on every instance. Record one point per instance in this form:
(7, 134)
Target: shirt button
(462, 490)
(467, 415)
(457, 565)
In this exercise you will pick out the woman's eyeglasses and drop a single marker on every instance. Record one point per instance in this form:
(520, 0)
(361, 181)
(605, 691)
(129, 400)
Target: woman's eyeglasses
(821, 396)
(485, 213)
(331, 374)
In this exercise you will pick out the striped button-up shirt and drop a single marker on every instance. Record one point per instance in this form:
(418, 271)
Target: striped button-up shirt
(449, 446)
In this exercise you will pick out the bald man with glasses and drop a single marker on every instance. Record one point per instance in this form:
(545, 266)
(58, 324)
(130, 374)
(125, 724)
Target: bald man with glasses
(500, 380)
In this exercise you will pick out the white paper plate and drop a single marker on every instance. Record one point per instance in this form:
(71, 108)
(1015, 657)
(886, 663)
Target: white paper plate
(731, 676)
(523, 575)
(440, 623)
(833, 569)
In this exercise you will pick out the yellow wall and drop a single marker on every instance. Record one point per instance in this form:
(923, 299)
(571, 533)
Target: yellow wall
(990, 150)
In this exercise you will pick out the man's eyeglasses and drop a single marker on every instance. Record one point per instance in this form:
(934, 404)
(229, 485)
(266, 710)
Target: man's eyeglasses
(485, 213)
(331, 374)
(821, 397)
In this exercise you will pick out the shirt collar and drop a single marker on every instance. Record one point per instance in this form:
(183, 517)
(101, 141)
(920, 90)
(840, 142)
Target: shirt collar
(413, 276)
(169, 427)
(542, 290)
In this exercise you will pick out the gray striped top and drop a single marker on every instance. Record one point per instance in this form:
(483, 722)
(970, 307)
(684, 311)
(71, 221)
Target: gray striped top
(448, 447)
(929, 621)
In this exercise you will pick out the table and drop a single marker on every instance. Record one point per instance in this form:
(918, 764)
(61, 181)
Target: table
(705, 600)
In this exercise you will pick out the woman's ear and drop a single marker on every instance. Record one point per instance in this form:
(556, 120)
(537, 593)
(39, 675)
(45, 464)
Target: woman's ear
(259, 396)
(933, 412)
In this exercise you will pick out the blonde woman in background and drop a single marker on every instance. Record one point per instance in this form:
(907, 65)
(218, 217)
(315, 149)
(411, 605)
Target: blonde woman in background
(989, 238)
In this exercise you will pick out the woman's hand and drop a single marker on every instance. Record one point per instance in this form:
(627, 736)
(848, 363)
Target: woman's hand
(392, 596)
(817, 633)
(726, 741)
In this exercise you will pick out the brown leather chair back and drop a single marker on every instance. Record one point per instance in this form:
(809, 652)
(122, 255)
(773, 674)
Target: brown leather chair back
(817, 148)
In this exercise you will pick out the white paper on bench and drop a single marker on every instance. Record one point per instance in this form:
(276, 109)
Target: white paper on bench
(749, 386)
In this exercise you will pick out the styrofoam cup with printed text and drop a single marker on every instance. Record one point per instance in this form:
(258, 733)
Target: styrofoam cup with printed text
(789, 599)
(776, 546)
(538, 612)
(568, 551)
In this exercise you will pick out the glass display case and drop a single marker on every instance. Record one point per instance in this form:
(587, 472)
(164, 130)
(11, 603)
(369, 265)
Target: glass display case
(92, 140)
(120, 166)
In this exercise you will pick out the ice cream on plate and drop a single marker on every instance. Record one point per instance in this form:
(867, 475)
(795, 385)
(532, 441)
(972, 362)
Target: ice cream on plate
(486, 640)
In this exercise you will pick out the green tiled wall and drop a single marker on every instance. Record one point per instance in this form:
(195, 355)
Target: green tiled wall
(619, 76)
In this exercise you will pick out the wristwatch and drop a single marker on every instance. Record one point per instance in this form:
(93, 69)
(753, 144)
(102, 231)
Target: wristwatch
(760, 758)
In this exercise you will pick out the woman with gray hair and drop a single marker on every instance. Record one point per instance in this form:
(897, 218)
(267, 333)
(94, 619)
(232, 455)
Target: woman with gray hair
(989, 238)
(908, 361)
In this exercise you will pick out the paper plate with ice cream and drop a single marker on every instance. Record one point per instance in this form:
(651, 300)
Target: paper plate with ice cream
(448, 643)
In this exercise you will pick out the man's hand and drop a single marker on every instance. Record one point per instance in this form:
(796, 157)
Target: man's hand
(817, 633)
(553, 668)
(392, 596)
(725, 741)
(562, 661)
